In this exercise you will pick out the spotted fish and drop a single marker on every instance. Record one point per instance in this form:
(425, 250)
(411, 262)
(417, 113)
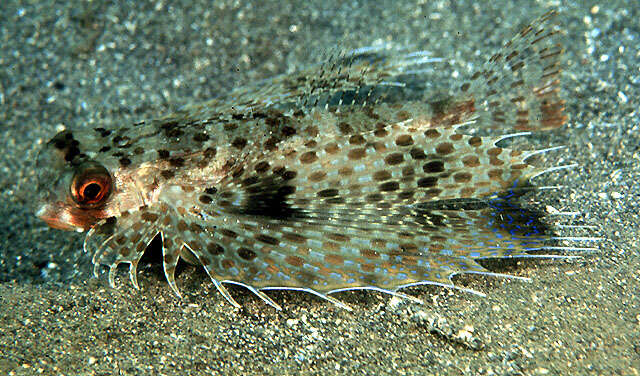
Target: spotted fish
(328, 179)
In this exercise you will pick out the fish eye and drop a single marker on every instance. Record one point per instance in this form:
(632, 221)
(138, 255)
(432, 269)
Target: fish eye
(91, 185)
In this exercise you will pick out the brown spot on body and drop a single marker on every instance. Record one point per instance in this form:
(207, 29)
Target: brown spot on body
(405, 195)
(356, 140)
(294, 261)
(432, 133)
(294, 237)
(246, 254)
(149, 217)
(382, 175)
(394, 159)
(462, 177)
(334, 259)
(227, 263)
(308, 157)
(433, 167)
(346, 171)
(418, 154)
(389, 186)
(338, 237)
(328, 193)
(331, 148)
(427, 182)
(404, 140)
(205, 199)
(267, 239)
(227, 232)
(475, 141)
(403, 115)
(215, 249)
(370, 254)
(445, 148)
(317, 176)
(471, 161)
(355, 154)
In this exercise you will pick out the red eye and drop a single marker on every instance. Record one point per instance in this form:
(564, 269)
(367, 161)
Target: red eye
(91, 185)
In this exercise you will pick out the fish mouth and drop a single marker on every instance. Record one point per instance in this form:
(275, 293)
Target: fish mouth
(60, 220)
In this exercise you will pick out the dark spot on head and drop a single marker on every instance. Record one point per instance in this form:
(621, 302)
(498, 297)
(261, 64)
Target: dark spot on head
(239, 143)
(251, 180)
(176, 162)
(103, 132)
(205, 199)
(345, 128)
(149, 217)
(271, 143)
(288, 131)
(262, 167)
(167, 174)
(238, 172)
(174, 133)
(124, 161)
(211, 190)
(200, 137)
(164, 154)
(105, 149)
(209, 153)
(286, 190)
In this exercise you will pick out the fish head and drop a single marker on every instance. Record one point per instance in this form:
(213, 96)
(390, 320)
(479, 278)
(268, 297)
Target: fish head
(75, 191)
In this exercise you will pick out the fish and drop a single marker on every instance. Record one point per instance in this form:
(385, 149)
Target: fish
(333, 178)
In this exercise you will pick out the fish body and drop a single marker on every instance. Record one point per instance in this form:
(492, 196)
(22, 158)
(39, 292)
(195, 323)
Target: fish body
(320, 180)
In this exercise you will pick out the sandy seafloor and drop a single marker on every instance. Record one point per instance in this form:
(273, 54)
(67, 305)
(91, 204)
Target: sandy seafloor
(81, 64)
